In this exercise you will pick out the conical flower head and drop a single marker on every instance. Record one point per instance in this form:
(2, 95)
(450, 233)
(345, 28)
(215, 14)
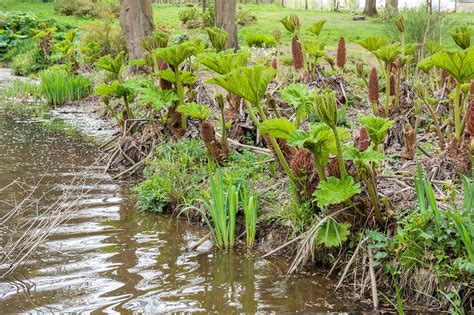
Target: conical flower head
(326, 107)
(341, 53)
(297, 52)
(302, 164)
(274, 63)
(373, 86)
(393, 85)
(164, 84)
(363, 140)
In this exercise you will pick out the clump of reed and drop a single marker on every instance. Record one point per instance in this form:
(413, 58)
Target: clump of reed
(60, 87)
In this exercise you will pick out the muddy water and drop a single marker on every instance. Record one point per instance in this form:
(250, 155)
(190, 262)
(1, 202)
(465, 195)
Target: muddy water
(110, 258)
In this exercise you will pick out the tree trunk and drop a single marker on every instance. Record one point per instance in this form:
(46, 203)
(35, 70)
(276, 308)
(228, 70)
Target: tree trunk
(370, 8)
(136, 20)
(225, 19)
(429, 3)
(392, 6)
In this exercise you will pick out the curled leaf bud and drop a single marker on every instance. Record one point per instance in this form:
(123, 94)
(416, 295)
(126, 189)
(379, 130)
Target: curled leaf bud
(296, 22)
(220, 101)
(276, 35)
(326, 107)
(360, 69)
(373, 86)
(341, 53)
(420, 90)
(400, 23)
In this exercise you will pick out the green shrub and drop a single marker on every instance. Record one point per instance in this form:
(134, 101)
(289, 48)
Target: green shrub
(244, 17)
(260, 40)
(190, 17)
(22, 64)
(87, 8)
(101, 38)
(59, 87)
(208, 17)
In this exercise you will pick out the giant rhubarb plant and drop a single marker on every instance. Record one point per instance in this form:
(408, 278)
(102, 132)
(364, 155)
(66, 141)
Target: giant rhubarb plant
(223, 63)
(251, 83)
(175, 56)
(118, 88)
(326, 109)
(460, 65)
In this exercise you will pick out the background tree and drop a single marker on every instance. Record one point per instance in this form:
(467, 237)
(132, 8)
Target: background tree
(136, 20)
(225, 19)
(392, 5)
(370, 8)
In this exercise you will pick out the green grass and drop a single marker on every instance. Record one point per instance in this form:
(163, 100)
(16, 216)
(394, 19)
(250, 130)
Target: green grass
(268, 18)
(44, 11)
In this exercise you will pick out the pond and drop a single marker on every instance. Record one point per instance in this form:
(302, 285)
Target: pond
(110, 257)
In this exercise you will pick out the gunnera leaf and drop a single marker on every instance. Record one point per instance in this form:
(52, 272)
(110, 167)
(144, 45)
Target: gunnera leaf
(335, 191)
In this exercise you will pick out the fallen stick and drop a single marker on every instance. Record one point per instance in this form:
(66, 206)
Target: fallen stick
(253, 148)
(373, 283)
(349, 264)
(411, 178)
(283, 246)
(201, 241)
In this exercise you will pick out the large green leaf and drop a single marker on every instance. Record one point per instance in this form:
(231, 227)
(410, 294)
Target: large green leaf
(195, 110)
(116, 89)
(373, 43)
(250, 83)
(335, 191)
(363, 158)
(187, 78)
(320, 140)
(317, 27)
(113, 65)
(388, 53)
(218, 37)
(157, 98)
(277, 128)
(332, 233)
(459, 64)
(175, 55)
(377, 128)
(224, 62)
(315, 49)
(300, 97)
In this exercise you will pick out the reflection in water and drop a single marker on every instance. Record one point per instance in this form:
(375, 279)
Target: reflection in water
(108, 257)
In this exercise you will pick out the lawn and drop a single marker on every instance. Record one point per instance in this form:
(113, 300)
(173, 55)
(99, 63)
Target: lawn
(41, 10)
(268, 18)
